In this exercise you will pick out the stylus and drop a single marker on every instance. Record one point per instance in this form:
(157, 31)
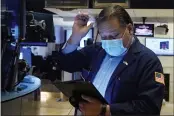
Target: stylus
(83, 78)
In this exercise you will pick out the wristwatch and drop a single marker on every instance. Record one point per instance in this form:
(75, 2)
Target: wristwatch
(103, 110)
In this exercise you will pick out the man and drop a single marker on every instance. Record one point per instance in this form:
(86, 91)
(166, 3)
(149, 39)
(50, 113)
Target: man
(125, 72)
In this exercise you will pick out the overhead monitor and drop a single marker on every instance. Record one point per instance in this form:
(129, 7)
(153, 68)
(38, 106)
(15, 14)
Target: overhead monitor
(146, 30)
(160, 46)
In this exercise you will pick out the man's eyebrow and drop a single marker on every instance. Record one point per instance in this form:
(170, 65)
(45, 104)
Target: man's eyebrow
(110, 30)
(116, 34)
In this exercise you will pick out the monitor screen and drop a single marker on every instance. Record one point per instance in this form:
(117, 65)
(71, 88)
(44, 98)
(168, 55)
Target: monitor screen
(25, 53)
(160, 46)
(40, 51)
(82, 42)
(39, 27)
(15, 31)
(146, 30)
(28, 53)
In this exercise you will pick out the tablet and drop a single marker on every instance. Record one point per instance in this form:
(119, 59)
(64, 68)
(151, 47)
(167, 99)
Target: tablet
(74, 90)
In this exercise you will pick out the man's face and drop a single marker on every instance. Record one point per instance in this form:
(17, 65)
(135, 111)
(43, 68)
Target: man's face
(112, 29)
(35, 50)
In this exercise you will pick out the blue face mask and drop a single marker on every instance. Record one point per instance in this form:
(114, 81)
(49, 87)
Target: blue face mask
(114, 47)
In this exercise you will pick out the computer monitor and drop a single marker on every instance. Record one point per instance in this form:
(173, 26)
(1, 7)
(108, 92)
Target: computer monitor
(146, 30)
(25, 53)
(30, 50)
(15, 31)
(39, 51)
(161, 46)
(39, 27)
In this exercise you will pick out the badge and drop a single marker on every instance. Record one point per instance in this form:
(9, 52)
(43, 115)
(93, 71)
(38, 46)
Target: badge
(125, 63)
(159, 77)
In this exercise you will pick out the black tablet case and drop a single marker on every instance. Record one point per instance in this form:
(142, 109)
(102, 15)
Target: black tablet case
(75, 89)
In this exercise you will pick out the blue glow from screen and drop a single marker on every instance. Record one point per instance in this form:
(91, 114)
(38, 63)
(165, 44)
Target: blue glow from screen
(25, 53)
(15, 32)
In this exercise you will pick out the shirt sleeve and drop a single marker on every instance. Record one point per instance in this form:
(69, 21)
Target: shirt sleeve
(68, 48)
(76, 60)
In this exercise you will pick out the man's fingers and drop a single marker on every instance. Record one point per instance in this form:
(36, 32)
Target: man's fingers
(82, 110)
(81, 107)
(89, 99)
(82, 17)
(90, 25)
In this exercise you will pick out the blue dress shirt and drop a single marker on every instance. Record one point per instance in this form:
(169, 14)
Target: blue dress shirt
(105, 72)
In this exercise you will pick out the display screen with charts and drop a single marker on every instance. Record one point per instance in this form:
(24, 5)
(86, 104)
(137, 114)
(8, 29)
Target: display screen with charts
(161, 46)
(146, 30)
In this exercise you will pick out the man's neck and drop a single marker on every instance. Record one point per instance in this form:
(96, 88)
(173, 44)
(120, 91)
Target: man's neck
(132, 39)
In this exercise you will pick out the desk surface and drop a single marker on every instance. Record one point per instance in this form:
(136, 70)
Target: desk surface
(28, 85)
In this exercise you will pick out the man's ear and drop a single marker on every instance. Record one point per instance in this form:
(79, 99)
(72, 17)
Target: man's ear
(130, 28)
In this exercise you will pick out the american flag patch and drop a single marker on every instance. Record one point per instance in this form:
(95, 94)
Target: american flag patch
(159, 77)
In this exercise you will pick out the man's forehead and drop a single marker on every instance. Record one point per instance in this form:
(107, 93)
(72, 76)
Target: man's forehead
(109, 24)
(108, 30)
